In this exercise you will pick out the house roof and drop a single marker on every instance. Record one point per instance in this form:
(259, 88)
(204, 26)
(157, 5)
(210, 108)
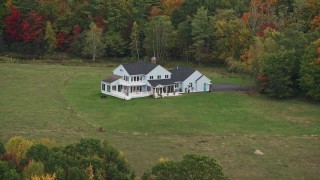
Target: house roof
(164, 82)
(139, 68)
(111, 79)
(181, 73)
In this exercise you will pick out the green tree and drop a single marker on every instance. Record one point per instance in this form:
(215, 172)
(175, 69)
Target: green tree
(50, 37)
(202, 28)
(8, 172)
(114, 43)
(191, 167)
(310, 71)
(183, 40)
(33, 168)
(135, 40)
(158, 39)
(279, 69)
(93, 42)
(38, 152)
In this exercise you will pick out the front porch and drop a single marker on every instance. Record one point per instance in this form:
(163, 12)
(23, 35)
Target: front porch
(165, 91)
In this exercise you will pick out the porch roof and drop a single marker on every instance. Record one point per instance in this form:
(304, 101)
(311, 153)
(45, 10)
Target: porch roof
(125, 83)
(111, 79)
(163, 82)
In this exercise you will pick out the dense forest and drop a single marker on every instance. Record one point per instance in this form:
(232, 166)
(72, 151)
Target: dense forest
(277, 42)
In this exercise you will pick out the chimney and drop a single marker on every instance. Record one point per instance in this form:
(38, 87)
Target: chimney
(153, 60)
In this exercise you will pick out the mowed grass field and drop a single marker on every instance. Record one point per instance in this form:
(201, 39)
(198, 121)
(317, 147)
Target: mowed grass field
(63, 103)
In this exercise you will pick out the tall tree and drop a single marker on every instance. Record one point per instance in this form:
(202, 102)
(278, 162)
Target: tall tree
(135, 40)
(114, 44)
(50, 37)
(202, 28)
(33, 27)
(310, 71)
(158, 37)
(13, 24)
(93, 42)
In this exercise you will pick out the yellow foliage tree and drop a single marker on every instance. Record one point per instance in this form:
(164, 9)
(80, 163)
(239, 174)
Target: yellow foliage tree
(18, 146)
(44, 177)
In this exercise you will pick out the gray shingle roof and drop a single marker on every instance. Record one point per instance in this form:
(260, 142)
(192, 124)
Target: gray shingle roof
(139, 68)
(111, 79)
(181, 73)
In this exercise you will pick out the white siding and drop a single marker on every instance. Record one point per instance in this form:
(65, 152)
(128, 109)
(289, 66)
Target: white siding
(197, 86)
(120, 71)
(201, 82)
(159, 70)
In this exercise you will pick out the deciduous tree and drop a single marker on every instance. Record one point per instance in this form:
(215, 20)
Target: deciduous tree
(310, 71)
(135, 40)
(50, 37)
(13, 24)
(93, 42)
(202, 30)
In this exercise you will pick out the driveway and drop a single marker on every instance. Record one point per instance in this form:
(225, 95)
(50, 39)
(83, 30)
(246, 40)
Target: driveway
(230, 87)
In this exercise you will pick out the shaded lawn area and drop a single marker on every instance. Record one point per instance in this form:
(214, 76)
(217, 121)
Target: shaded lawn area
(64, 104)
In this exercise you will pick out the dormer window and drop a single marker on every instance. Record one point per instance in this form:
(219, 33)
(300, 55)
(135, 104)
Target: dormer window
(159, 76)
(166, 76)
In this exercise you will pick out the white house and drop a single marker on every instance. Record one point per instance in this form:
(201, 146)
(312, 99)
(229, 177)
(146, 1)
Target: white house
(145, 79)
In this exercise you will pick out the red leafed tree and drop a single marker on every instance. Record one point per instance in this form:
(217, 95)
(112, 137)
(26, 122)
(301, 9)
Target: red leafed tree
(13, 24)
(33, 27)
(266, 26)
(64, 41)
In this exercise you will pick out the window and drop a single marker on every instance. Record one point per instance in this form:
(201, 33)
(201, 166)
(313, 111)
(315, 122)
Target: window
(159, 76)
(166, 76)
(176, 85)
(108, 88)
(131, 79)
(114, 88)
(140, 78)
(149, 88)
(103, 87)
(151, 77)
(135, 78)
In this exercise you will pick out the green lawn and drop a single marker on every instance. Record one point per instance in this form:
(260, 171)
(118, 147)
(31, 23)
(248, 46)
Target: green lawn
(64, 104)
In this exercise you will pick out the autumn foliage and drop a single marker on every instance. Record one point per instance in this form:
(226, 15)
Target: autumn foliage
(13, 24)
(33, 27)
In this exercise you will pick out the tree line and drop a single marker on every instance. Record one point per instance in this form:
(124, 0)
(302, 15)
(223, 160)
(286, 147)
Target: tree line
(91, 159)
(277, 42)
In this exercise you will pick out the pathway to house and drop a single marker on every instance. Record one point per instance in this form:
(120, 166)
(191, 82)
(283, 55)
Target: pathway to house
(230, 87)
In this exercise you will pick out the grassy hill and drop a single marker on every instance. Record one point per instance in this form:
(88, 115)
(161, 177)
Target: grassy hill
(63, 103)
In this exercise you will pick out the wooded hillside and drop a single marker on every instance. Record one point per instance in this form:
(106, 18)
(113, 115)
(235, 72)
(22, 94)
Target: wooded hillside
(278, 42)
